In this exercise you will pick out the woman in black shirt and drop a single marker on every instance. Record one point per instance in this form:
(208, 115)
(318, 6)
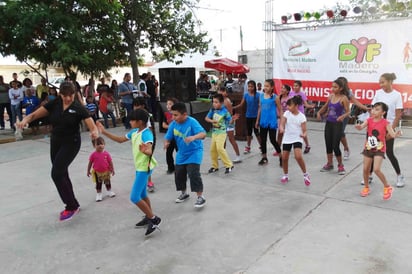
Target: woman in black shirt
(64, 114)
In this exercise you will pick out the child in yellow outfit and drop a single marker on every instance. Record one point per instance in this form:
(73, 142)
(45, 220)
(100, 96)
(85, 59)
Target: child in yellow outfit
(219, 117)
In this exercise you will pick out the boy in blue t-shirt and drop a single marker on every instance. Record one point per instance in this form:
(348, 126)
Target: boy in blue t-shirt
(188, 135)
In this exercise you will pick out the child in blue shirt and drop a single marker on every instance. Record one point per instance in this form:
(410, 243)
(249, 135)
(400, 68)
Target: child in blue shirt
(31, 103)
(219, 117)
(188, 135)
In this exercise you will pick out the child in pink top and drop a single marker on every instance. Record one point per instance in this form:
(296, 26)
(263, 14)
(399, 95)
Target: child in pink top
(101, 167)
(375, 146)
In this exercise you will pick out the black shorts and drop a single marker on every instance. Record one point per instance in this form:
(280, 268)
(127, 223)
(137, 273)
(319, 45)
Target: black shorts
(288, 147)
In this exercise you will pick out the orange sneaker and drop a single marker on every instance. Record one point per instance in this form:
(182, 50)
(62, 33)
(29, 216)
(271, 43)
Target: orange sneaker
(365, 192)
(387, 192)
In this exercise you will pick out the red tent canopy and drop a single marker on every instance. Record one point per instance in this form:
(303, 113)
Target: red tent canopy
(226, 65)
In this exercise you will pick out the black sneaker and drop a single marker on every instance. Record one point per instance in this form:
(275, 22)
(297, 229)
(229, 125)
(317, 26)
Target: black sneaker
(170, 171)
(213, 170)
(182, 197)
(264, 161)
(229, 169)
(200, 202)
(152, 225)
(144, 222)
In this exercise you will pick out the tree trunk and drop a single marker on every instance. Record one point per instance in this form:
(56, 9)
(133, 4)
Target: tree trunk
(134, 63)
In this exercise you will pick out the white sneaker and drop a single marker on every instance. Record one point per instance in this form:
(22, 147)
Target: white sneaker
(237, 159)
(99, 197)
(346, 155)
(370, 180)
(111, 194)
(400, 181)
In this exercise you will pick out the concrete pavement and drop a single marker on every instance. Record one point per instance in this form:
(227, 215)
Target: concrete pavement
(251, 223)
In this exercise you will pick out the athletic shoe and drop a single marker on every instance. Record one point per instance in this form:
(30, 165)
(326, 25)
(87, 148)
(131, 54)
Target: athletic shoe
(370, 180)
(247, 150)
(111, 194)
(144, 222)
(387, 192)
(263, 161)
(284, 179)
(200, 202)
(275, 153)
(68, 214)
(99, 197)
(341, 170)
(365, 192)
(326, 167)
(182, 197)
(306, 179)
(170, 171)
(213, 170)
(237, 159)
(152, 225)
(307, 150)
(229, 169)
(150, 187)
(346, 155)
(400, 181)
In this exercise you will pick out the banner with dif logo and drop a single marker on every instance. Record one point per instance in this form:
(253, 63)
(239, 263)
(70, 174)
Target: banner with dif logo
(361, 52)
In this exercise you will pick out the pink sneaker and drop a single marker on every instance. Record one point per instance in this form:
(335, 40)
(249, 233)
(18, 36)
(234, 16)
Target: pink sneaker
(150, 186)
(341, 170)
(284, 179)
(306, 180)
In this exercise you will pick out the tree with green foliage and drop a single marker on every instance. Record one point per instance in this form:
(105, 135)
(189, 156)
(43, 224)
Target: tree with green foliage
(92, 36)
(165, 28)
(80, 36)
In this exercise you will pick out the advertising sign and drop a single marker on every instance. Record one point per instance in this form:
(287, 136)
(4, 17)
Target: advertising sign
(361, 52)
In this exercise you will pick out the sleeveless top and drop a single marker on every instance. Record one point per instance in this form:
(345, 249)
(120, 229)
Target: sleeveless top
(268, 112)
(335, 110)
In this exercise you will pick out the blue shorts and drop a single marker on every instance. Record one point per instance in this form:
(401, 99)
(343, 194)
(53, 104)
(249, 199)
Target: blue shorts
(139, 186)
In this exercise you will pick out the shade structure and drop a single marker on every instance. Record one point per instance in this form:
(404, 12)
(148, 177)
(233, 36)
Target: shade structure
(226, 65)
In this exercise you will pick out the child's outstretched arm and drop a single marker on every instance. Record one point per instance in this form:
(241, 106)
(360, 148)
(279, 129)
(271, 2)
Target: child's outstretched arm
(114, 137)
(304, 130)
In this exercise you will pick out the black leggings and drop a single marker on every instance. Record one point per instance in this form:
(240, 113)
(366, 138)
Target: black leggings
(333, 133)
(391, 155)
(272, 138)
(250, 126)
(62, 153)
(169, 155)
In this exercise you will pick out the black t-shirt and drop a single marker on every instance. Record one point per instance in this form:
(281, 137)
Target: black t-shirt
(66, 123)
(151, 88)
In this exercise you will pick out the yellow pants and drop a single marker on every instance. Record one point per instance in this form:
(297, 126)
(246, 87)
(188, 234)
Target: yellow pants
(217, 149)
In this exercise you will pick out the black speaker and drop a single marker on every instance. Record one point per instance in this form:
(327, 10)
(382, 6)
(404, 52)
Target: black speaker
(179, 83)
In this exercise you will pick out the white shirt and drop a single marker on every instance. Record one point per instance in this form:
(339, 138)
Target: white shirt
(393, 99)
(293, 127)
(18, 93)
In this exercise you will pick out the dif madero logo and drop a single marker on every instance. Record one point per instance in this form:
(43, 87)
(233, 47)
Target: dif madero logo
(362, 51)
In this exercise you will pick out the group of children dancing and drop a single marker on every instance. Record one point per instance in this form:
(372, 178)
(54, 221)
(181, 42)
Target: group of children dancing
(266, 113)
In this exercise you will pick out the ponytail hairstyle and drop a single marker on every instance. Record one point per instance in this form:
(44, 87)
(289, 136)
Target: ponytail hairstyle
(295, 100)
(389, 76)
